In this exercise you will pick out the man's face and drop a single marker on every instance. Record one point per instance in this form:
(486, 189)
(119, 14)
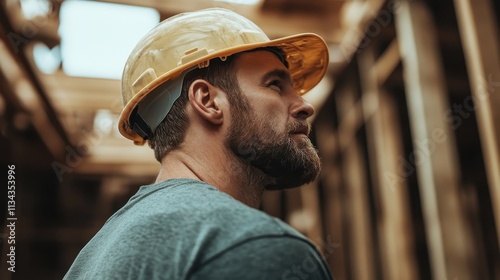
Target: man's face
(271, 132)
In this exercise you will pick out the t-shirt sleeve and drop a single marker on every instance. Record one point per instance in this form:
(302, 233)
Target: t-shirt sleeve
(280, 257)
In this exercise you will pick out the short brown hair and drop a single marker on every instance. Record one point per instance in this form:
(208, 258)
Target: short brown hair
(171, 131)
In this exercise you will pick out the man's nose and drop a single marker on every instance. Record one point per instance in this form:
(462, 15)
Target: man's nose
(301, 109)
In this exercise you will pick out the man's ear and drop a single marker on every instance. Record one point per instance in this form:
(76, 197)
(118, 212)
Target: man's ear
(203, 97)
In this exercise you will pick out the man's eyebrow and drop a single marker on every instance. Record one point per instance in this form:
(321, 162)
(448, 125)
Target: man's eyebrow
(280, 73)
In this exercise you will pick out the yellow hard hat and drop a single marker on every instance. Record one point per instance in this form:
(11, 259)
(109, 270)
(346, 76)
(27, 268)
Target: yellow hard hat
(189, 40)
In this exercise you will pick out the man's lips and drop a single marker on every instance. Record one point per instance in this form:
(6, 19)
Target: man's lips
(301, 129)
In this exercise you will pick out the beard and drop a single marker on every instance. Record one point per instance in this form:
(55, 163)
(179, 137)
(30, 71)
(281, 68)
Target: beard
(288, 159)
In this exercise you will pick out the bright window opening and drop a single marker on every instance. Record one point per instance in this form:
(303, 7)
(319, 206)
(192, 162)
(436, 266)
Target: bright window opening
(97, 38)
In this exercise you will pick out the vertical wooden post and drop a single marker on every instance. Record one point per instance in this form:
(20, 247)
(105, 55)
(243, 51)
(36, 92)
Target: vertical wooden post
(434, 154)
(384, 150)
(480, 41)
(356, 189)
(332, 191)
(310, 208)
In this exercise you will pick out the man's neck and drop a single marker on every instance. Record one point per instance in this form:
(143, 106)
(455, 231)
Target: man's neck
(221, 169)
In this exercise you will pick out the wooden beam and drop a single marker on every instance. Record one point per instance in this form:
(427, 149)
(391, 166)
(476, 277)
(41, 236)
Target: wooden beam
(310, 207)
(19, 90)
(480, 41)
(75, 93)
(384, 149)
(354, 176)
(30, 90)
(362, 22)
(350, 114)
(361, 241)
(387, 62)
(43, 29)
(334, 200)
(435, 154)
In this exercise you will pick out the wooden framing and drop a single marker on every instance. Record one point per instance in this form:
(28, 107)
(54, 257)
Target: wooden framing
(355, 183)
(480, 40)
(311, 210)
(333, 210)
(384, 149)
(27, 90)
(434, 154)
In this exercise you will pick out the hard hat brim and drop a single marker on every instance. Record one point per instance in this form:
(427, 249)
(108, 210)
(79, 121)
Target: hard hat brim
(306, 54)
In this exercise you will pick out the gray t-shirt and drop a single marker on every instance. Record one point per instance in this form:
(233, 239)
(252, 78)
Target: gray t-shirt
(187, 229)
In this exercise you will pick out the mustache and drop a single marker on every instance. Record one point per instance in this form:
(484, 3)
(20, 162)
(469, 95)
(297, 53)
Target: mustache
(298, 127)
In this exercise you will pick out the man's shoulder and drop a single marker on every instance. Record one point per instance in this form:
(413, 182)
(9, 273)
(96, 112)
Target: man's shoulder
(184, 223)
(198, 204)
(201, 212)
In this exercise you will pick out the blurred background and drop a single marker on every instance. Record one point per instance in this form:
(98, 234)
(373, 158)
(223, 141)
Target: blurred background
(407, 125)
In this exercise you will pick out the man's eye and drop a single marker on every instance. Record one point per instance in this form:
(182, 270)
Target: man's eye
(275, 85)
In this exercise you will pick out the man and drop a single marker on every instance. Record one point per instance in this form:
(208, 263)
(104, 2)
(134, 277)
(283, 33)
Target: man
(219, 104)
